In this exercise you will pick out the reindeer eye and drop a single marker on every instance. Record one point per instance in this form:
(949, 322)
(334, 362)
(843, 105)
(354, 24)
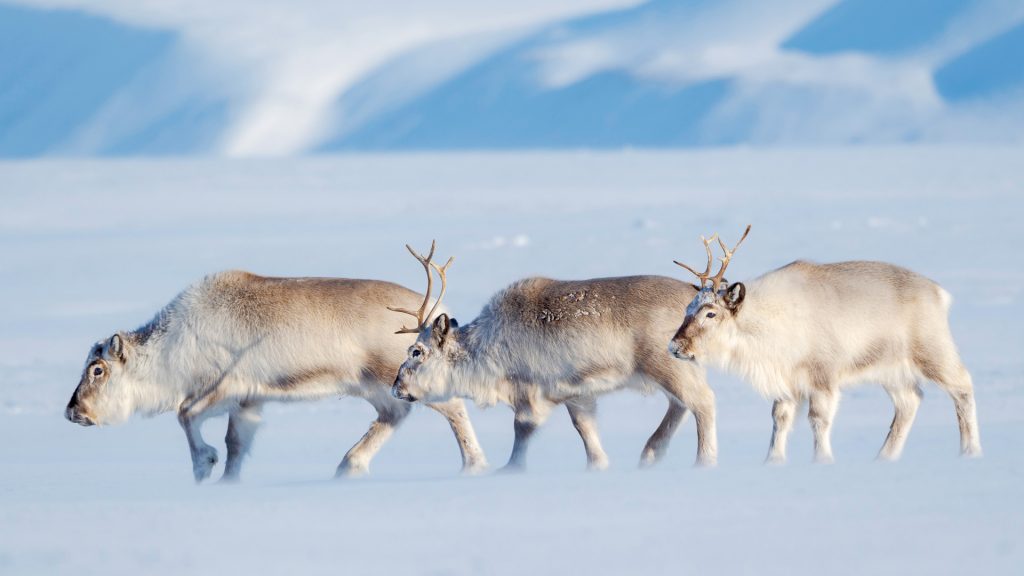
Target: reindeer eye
(97, 371)
(710, 315)
(416, 352)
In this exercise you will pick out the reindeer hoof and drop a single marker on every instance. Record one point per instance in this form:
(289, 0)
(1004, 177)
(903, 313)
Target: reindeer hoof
(350, 469)
(203, 462)
(511, 468)
(649, 458)
(475, 467)
(706, 462)
(972, 452)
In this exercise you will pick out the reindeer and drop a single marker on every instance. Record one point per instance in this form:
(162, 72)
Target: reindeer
(234, 341)
(543, 342)
(807, 330)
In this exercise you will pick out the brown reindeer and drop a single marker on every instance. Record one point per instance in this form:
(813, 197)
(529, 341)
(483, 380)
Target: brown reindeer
(542, 342)
(235, 341)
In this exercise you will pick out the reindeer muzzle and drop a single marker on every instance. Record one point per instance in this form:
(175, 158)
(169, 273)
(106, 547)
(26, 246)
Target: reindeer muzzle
(399, 391)
(675, 349)
(74, 415)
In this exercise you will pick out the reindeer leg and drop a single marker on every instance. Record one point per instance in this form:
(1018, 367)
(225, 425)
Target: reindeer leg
(905, 399)
(454, 410)
(823, 403)
(657, 444)
(191, 414)
(242, 425)
(689, 387)
(390, 414)
(940, 363)
(583, 412)
(783, 416)
(531, 413)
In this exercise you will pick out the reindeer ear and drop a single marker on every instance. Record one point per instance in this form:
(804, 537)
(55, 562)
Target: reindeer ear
(441, 325)
(115, 347)
(734, 295)
(454, 323)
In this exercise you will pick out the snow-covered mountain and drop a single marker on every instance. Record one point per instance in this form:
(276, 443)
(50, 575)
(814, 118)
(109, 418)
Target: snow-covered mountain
(992, 69)
(691, 72)
(74, 83)
(112, 78)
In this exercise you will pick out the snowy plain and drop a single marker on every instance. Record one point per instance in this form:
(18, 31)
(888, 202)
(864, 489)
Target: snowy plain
(88, 247)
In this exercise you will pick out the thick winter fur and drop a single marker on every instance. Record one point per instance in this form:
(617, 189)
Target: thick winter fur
(236, 340)
(543, 342)
(806, 330)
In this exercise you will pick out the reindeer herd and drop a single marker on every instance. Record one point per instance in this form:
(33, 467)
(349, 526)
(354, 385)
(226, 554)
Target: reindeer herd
(234, 341)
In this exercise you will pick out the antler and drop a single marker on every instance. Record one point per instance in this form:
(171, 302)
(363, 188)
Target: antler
(706, 277)
(711, 258)
(421, 315)
(717, 278)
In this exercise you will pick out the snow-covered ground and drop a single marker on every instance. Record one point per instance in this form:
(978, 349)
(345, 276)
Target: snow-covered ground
(88, 247)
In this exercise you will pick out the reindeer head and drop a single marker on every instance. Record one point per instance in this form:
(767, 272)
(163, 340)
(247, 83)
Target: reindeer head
(710, 317)
(103, 395)
(426, 372)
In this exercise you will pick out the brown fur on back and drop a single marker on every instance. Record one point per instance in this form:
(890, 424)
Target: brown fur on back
(544, 303)
(260, 301)
(575, 330)
(297, 321)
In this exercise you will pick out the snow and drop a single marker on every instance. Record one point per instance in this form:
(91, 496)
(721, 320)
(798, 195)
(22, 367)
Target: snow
(89, 247)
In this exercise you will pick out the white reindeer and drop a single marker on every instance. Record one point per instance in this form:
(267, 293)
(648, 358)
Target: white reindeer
(235, 340)
(543, 342)
(807, 330)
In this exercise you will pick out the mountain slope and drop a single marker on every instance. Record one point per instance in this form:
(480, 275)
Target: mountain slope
(663, 73)
(876, 26)
(995, 67)
(695, 73)
(74, 83)
(57, 70)
(505, 100)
